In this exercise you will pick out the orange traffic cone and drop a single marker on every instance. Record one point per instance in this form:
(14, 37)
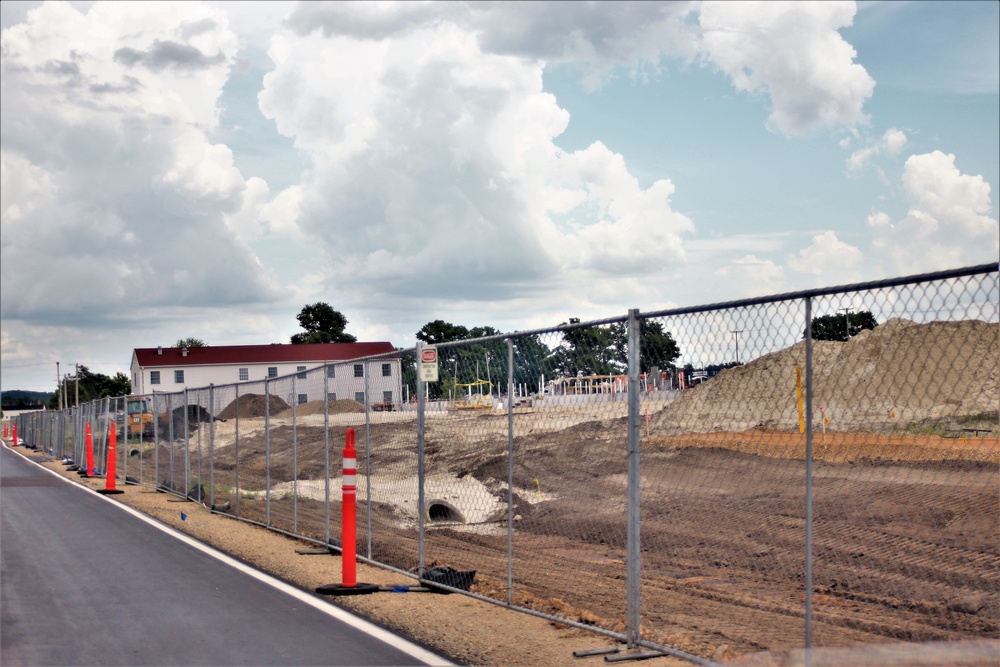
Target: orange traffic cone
(110, 473)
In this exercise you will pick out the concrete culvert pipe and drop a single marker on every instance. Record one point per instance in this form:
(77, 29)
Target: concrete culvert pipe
(441, 511)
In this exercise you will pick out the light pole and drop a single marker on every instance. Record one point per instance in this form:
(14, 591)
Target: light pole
(737, 332)
(847, 321)
(488, 374)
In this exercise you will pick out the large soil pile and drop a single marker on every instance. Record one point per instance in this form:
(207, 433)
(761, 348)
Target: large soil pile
(338, 407)
(252, 405)
(899, 374)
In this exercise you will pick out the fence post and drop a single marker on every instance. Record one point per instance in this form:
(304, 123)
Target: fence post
(201, 475)
(420, 465)
(170, 436)
(156, 440)
(295, 458)
(267, 452)
(236, 450)
(809, 481)
(632, 535)
(510, 471)
(187, 446)
(368, 460)
(211, 445)
(326, 454)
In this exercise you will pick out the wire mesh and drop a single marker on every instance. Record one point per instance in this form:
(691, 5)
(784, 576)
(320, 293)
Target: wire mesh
(793, 490)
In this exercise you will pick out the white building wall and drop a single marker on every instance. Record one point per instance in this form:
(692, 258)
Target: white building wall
(344, 385)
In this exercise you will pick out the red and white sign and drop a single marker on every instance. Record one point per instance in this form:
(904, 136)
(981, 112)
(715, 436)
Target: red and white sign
(429, 364)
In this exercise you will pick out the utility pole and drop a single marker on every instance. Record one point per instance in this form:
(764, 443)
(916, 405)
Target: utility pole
(737, 332)
(59, 386)
(847, 321)
(77, 401)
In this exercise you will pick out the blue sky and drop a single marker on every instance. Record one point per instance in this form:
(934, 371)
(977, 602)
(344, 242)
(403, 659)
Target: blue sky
(207, 169)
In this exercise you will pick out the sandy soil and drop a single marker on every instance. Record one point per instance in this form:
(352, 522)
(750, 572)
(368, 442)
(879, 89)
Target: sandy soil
(463, 629)
(906, 503)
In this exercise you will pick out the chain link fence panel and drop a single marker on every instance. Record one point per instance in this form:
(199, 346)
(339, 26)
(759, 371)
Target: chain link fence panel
(770, 474)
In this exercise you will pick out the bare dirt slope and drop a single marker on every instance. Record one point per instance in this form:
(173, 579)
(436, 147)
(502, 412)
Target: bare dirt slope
(900, 373)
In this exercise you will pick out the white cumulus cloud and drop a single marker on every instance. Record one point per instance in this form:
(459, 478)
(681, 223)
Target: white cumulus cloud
(794, 52)
(829, 258)
(948, 224)
(107, 163)
(436, 159)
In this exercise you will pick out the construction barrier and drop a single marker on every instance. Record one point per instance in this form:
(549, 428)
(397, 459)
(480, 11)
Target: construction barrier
(89, 469)
(110, 474)
(348, 551)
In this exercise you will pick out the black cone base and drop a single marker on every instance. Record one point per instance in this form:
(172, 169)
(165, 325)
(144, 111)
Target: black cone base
(339, 589)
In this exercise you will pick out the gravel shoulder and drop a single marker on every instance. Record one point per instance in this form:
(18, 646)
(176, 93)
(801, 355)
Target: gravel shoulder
(463, 629)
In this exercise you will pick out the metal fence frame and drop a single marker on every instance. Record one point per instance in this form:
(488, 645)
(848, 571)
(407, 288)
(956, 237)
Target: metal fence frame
(61, 434)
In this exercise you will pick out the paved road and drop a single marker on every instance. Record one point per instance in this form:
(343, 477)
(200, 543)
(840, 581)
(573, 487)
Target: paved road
(84, 582)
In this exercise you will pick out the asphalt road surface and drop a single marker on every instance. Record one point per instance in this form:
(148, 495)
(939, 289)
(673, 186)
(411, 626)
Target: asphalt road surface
(84, 581)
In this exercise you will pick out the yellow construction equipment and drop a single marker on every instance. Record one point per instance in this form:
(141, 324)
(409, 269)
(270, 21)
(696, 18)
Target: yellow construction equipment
(475, 400)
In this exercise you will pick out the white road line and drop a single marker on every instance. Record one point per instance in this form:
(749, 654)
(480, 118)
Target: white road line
(414, 651)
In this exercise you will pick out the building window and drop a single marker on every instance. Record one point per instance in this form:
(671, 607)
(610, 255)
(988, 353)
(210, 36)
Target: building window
(302, 372)
(331, 371)
(359, 396)
(179, 377)
(154, 377)
(244, 374)
(331, 396)
(303, 398)
(386, 370)
(387, 397)
(359, 371)
(272, 371)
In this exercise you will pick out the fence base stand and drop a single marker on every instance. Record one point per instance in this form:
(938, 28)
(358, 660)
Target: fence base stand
(357, 589)
(316, 551)
(586, 653)
(638, 655)
(109, 492)
(614, 654)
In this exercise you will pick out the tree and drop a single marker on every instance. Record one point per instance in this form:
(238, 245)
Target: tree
(17, 399)
(656, 346)
(468, 362)
(842, 327)
(322, 324)
(439, 331)
(604, 350)
(486, 360)
(590, 351)
(190, 343)
(92, 386)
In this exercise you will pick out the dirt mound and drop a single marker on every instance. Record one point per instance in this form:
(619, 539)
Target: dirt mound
(252, 405)
(338, 407)
(898, 374)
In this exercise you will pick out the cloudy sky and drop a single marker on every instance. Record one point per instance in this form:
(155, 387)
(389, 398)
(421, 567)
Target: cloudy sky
(207, 169)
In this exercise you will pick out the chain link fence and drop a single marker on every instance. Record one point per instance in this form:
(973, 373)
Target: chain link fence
(707, 482)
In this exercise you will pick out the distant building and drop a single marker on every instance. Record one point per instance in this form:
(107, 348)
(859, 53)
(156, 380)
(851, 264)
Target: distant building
(173, 369)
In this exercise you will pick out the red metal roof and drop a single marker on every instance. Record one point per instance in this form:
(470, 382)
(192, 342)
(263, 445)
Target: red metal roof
(149, 357)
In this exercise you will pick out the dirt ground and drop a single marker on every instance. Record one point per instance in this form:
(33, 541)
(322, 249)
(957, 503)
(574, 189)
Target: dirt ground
(732, 593)
(905, 505)
(463, 629)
